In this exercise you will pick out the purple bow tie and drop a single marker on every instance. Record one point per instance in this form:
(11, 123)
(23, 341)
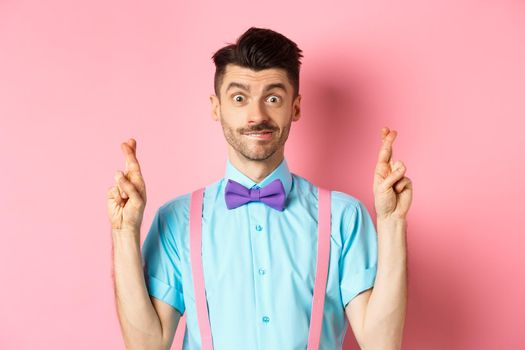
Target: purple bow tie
(272, 194)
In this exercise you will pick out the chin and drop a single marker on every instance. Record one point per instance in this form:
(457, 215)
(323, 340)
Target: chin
(254, 155)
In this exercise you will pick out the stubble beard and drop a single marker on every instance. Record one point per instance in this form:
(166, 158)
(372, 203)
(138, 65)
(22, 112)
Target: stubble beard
(256, 150)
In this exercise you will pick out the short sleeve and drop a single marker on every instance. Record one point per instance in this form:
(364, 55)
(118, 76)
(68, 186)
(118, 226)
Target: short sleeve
(162, 263)
(358, 253)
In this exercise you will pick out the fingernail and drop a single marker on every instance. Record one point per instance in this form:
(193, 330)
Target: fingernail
(124, 195)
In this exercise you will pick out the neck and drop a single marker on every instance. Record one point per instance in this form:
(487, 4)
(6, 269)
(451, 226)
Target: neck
(256, 170)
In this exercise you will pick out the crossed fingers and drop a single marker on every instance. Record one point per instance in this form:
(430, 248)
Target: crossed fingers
(132, 164)
(385, 153)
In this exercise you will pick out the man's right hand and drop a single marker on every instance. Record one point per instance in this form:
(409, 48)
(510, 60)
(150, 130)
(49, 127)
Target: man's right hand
(127, 199)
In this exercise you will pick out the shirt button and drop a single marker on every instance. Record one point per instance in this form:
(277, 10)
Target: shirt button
(266, 319)
(258, 227)
(262, 271)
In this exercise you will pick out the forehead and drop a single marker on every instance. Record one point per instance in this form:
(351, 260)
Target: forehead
(255, 79)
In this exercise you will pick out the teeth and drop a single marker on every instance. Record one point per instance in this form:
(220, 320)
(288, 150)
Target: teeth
(258, 134)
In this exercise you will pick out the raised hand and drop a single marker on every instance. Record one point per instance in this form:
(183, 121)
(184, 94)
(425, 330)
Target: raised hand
(127, 199)
(392, 190)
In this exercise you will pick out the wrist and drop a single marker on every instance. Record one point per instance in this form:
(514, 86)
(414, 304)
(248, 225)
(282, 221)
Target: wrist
(391, 224)
(391, 220)
(119, 235)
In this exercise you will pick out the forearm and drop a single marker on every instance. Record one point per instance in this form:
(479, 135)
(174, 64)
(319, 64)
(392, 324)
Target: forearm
(139, 321)
(386, 310)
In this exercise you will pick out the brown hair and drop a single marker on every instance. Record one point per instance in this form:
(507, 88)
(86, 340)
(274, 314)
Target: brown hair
(258, 49)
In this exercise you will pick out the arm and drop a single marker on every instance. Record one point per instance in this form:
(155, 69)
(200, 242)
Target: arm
(380, 323)
(169, 319)
(377, 316)
(146, 323)
(355, 312)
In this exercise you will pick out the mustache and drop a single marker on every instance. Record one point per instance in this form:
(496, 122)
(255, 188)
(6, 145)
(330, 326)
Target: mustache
(260, 127)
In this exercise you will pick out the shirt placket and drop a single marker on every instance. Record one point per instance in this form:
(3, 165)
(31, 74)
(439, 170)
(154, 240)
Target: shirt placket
(260, 269)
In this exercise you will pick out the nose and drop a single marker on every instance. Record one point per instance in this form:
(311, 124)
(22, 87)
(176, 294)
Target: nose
(257, 113)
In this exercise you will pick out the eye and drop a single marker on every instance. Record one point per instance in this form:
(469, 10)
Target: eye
(238, 98)
(275, 98)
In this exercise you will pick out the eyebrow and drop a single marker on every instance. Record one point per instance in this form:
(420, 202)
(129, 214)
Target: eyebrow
(247, 88)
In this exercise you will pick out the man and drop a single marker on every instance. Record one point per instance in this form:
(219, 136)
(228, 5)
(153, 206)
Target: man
(259, 261)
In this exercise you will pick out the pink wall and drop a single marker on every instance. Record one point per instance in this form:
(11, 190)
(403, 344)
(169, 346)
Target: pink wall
(78, 78)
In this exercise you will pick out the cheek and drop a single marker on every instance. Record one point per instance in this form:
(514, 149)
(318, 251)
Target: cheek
(227, 123)
(284, 119)
(232, 115)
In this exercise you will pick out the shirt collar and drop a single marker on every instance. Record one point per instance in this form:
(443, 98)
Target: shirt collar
(281, 172)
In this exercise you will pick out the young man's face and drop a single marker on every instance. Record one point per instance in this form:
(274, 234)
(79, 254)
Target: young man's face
(256, 110)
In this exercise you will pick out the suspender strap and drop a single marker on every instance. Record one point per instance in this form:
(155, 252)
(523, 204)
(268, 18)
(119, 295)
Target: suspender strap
(321, 274)
(323, 257)
(196, 268)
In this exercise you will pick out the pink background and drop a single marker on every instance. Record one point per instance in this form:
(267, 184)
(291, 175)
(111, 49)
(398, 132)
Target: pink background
(79, 78)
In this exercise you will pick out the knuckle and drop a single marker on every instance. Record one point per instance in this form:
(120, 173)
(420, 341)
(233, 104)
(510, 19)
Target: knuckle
(127, 186)
(124, 185)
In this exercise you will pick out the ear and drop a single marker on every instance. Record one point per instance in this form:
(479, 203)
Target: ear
(296, 115)
(215, 108)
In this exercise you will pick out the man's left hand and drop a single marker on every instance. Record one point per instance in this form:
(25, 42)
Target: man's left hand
(392, 189)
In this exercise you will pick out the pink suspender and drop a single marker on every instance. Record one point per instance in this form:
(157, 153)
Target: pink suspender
(323, 256)
(196, 268)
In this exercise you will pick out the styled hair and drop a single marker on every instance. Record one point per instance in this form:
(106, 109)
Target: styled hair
(258, 49)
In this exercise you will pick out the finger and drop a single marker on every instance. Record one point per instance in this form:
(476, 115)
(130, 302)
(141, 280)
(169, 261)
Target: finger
(395, 176)
(132, 164)
(126, 185)
(122, 194)
(401, 184)
(381, 171)
(134, 173)
(118, 192)
(129, 148)
(384, 132)
(114, 193)
(133, 143)
(385, 153)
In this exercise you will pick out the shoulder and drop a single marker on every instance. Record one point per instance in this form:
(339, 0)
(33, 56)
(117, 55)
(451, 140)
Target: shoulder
(177, 208)
(174, 205)
(338, 199)
(347, 207)
(344, 199)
